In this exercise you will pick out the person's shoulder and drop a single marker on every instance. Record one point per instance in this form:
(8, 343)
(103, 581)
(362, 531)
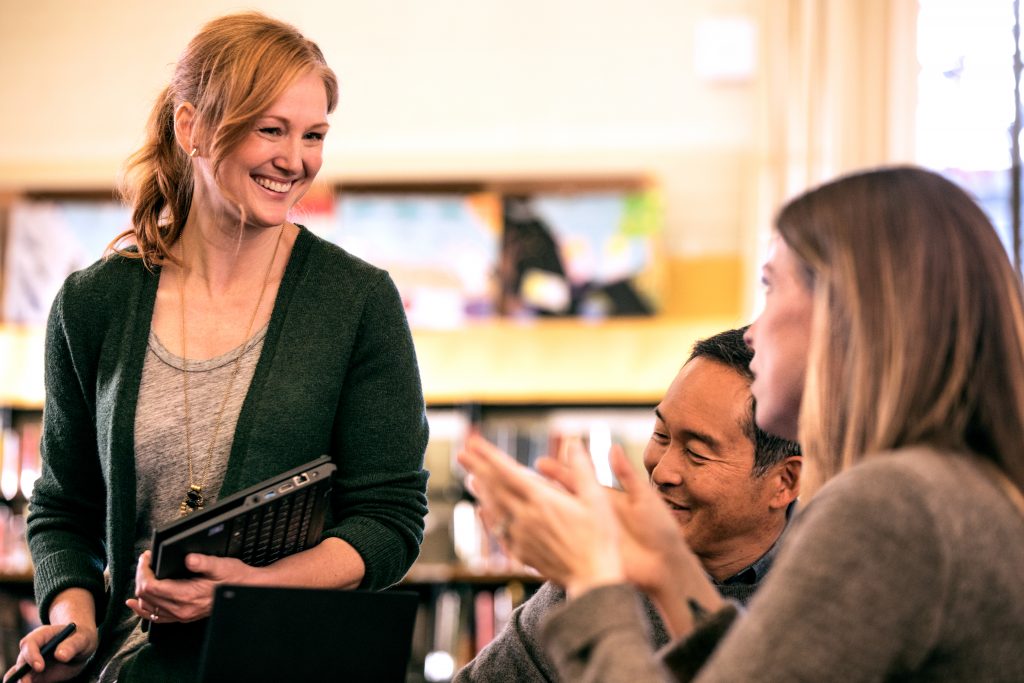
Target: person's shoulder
(920, 486)
(906, 470)
(547, 596)
(330, 274)
(884, 507)
(329, 257)
(91, 299)
(108, 279)
(534, 609)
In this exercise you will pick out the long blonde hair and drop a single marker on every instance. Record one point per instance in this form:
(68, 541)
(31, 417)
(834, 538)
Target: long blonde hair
(918, 332)
(231, 72)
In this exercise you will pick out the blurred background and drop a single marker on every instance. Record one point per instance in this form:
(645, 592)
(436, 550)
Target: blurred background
(568, 194)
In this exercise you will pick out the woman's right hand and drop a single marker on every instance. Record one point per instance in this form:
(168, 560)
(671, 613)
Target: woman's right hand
(654, 554)
(69, 659)
(566, 532)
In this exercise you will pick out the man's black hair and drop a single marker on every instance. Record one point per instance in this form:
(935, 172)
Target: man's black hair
(729, 349)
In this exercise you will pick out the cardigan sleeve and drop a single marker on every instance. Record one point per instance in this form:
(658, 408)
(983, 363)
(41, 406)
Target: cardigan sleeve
(380, 434)
(66, 513)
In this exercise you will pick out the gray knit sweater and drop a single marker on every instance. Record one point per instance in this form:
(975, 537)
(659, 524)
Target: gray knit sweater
(906, 567)
(337, 375)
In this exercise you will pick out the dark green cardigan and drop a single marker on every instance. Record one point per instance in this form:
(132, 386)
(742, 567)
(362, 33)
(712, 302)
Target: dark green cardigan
(337, 374)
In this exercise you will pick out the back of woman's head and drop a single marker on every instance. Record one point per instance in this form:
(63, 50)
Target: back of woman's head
(231, 72)
(918, 333)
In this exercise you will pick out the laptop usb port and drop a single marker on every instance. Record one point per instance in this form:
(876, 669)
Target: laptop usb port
(269, 494)
(286, 487)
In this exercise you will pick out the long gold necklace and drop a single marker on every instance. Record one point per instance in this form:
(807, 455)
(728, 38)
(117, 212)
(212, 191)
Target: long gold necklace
(193, 499)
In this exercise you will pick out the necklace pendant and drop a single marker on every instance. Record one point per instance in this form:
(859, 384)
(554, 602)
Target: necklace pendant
(192, 501)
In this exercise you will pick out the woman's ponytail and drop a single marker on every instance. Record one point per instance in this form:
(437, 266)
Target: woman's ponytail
(157, 184)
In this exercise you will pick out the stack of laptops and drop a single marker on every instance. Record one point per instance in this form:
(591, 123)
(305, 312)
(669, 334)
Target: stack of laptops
(283, 634)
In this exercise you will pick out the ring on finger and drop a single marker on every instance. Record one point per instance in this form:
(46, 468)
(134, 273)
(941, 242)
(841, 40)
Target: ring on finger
(155, 614)
(501, 528)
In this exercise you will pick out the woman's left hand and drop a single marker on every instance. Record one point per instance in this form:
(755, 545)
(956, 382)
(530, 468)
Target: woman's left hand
(182, 600)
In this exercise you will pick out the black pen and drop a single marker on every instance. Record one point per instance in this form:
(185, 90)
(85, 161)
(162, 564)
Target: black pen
(46, 650)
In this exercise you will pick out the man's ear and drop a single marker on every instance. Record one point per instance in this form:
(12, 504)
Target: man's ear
(184, 126)
(786, 481)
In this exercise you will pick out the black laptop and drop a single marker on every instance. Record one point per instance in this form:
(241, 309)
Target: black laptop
(304, 634)
(259, 525)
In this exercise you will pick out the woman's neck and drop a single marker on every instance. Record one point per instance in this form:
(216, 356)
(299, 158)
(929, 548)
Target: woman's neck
(221, 258)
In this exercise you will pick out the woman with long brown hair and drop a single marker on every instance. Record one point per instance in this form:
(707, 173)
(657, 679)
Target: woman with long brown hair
(220, 344)
(891, 346)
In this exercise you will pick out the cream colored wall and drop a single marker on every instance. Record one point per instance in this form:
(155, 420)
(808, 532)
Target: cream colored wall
(464, 90)
(440, 89)
(421, 80)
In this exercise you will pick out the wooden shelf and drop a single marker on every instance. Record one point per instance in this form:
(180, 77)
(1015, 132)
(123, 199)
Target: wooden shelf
(499, 361)
(16, 578)
(453, 573)
(552, 361)
(419, 574)
(21, 366)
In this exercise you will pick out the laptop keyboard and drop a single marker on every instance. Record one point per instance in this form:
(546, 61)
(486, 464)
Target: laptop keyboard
(272, 531)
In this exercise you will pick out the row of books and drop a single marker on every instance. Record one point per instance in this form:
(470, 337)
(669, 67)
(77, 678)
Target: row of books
(527, 433)
(19, 469)
(465, 607)
(456, 622)
(455, 534)
(18, 616)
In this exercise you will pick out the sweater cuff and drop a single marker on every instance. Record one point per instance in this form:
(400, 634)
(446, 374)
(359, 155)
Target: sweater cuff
(576, 625)
(67, 569)
(379, 547)
(686, 657)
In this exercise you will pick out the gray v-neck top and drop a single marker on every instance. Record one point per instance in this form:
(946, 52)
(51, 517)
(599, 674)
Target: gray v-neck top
(161, 461)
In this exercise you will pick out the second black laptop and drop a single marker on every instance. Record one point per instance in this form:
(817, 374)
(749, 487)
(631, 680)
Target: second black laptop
(259, 634)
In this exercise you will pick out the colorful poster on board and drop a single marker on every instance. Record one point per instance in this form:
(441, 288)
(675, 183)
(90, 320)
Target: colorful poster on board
(578, 254)
(441, 249)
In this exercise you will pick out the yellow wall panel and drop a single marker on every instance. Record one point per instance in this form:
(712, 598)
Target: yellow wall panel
(709, 286)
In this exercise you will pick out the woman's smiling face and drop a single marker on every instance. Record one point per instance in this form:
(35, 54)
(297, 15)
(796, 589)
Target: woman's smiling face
(276, 163)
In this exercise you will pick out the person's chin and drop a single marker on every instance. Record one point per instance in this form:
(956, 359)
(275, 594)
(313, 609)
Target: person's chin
(263, 217)
(776, 423)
